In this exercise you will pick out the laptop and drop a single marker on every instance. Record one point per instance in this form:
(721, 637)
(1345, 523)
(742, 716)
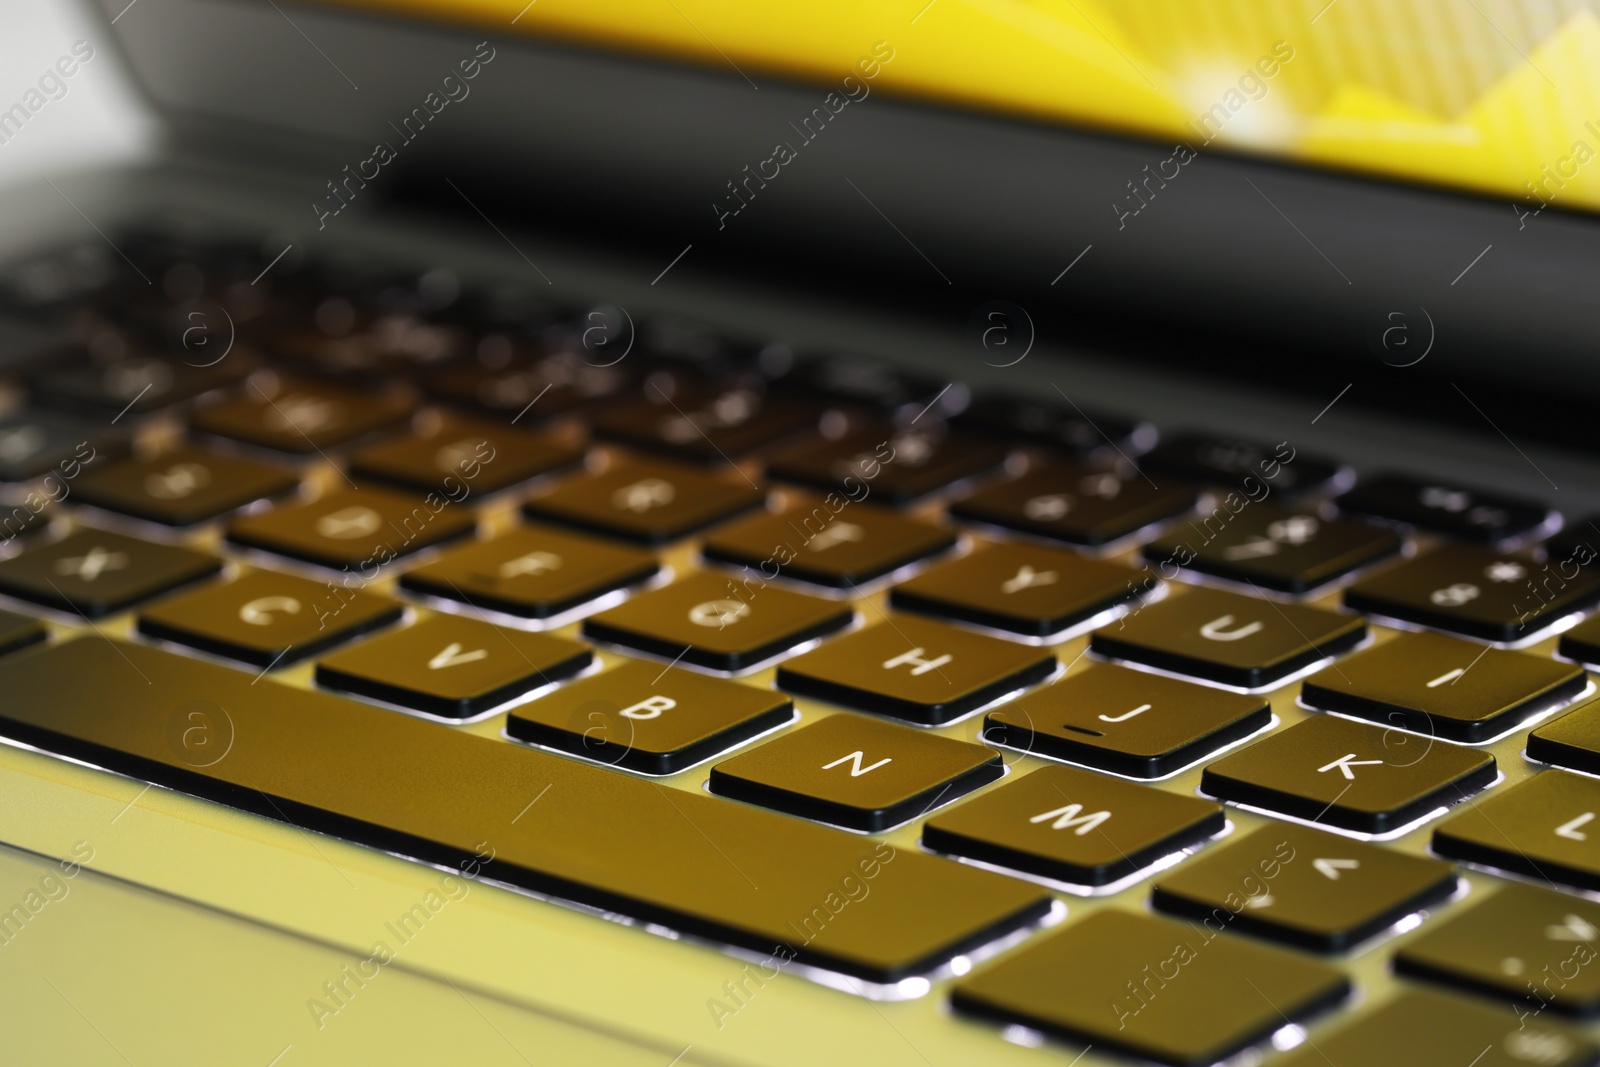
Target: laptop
(921, 532)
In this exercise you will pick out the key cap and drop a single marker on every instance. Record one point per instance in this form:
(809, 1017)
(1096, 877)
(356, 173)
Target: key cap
(1076, 504)
(703, 424)
(1246, 641)
(136, 384)
(355, 529)
(35, 443)
(1073, 826)
(726, 872)
(94, 573)
(1473, 591)
(1577, 545)
(1572, 740)
(1256, 468)
(1070, 429)
(1460, 511)
(1540, 827)
(1582, 642)
(646, 501)
(1347, 774)
(1273, 547)
(857, 380)
(460, 455)
(19, 631)
(915, 669)
(828, 542)
(1021, 588)
(1125, 721)
(29, 517)
(708, 620)
(1526, 944)
(301, 417)
(647, 719)
(267, 619)
(895, 467)
(451, 667)
(530, 392)
(183, 487)
(1421, 682)
(1303, 887)
(1153, 989)
(1420, 1026)
(532, 572)
(858, 773)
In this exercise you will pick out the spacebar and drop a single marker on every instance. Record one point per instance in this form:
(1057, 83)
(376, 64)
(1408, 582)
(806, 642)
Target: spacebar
(693, 863)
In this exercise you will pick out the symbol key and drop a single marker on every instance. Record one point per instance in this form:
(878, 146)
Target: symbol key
(898, 467)
(96, 573)
(1543, 827)
(1460, 511)
(646, 501)
(828, 541)
(357, 529)
(1077, 504)
(183, 487)
(1273, 547)
(1348, 774)
(1236, 463)
(457, 456)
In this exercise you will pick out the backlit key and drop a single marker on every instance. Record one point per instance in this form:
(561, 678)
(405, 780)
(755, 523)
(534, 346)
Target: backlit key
(830, 542)
(897, 467)
(97, 573)
(1460, 511)
(1273, 547)
(1543, 828)
(1256, 468)
(183, 487)
(646, 501)
(460, 456)
(361, 530)
(1074, 503)
(705, 425)
(301, 417)
(1571, 740)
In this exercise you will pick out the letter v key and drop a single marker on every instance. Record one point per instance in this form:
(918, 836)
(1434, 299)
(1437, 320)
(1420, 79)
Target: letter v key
(452, 656)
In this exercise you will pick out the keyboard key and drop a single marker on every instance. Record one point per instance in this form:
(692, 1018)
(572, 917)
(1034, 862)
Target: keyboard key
(1460, 511)
(532, 572)
(531, 391)
(858, 773)
(94, 573)
(29, 517)
(301, 417)
(1571, 740)
(897, 467)
(1256, 467)
(1073, 826)
(1348, 774)
(1420, 681)
(136, 384)
(1420, 1026)
(1303, 887)
(1076, 504)
(35, 443)
(266, 618)
(451, 667)
(183, 487)
(1125, 721)
(1525, 944)
(1582, 642)
(1540, 827)
(647, 719)
(829, 543)
(646, 501)
(1024, 589)
(1059, 426)
(1246, 641)
(359, 529)
(460, 456)
(19, 631)
(915, 669)
(1157, 989)
(703, 424)
(1273, 547)
(707, 620)
(560, 827)
(1474, 591)
(857, 380)
(1577, 545)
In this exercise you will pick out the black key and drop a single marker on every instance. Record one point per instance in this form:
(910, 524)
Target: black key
(1572, 741)
(1229, 637)
(35, 443)
(647, 719)
(267, 619)
(183, 487)
(301, 417)
(29, 517)
(1542, 827)
(451, 667)
(1577, 545)
(830, 544)
(646, 501)
(1157, 989)
(1073, 826)
(1273, 547)
(95, 573)
(1303, 887)
(531, 572)
(894, 466)
(706, 620)
(858, 773)
(1420, 1026)
(1125, 721)
(532, 391)
(915, 669)
(1525, 944)
(456, 456)
(1348, 774)
(359, 529)
(1420, 681)
(1474, 591)
(1257, 468)
(1582, 642)
(19, 631)
(897, 394)
(1021, 588)
(1460, 511)
(702, 424)
(136, 385)
(1058, 426)
(1073, 503)
(560, 827)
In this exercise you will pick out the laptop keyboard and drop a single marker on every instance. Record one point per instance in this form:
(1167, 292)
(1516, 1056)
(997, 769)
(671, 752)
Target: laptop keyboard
(536, 581)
